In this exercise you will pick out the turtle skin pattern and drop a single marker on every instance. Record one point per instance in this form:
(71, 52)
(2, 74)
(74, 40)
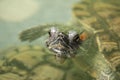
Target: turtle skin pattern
(96, 17)
(100, 19)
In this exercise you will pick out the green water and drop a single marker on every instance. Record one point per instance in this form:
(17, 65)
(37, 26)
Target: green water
(25, 61)
(17, 15)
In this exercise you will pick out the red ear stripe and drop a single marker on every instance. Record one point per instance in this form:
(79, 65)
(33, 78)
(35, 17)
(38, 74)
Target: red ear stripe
(83, 36)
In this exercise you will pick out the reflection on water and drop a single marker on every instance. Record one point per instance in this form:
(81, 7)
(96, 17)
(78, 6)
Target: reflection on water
(17, 10)
(18, 15)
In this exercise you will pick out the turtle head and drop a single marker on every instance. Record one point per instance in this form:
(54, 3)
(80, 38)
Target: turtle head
(57, 41)
(63, 45)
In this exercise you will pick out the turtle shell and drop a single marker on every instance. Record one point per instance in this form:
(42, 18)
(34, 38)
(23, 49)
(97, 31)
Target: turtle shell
(102, 18)
(102, 58)
(98, 18)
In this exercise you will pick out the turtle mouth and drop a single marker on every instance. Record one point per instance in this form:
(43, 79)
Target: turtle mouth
(56, 50)
(58, 46)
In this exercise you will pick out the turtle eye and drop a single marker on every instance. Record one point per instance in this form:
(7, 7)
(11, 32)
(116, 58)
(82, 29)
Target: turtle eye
(76, 38)
(49, 33)
(53, 31)
(72, 35)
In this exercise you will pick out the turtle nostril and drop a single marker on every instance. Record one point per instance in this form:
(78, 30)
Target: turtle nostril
(60, 35)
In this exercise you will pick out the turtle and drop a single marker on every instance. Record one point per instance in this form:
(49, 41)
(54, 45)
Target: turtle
(98, 19)
(102, 18)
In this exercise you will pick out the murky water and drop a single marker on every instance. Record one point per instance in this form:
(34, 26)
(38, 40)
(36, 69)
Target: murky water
(16, 16)
(97, 58)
